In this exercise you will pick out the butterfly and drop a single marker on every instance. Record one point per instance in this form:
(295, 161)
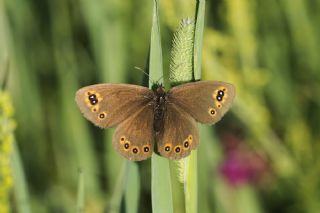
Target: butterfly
(155, 119)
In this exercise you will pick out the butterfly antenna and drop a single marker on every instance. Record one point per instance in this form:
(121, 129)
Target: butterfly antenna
(151, 81)
(138, 68)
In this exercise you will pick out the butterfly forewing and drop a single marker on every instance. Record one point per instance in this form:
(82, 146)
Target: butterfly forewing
(205, 101)
(107, 105)
(180, 134)
(134, 137)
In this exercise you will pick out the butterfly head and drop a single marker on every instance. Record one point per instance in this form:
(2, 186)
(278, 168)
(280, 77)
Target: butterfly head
(158, 89)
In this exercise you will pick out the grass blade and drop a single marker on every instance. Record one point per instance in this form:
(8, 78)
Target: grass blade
(160, 179)
(118, 189)
(191, 182)
(133, 188)
(198, 38)
(161, 185)
(155, 64)
(20, 188)
(81, 192)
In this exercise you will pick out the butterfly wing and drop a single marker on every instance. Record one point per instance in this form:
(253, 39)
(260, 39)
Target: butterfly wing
(180, 134)
(134, 137)
(107, 105)
(205, 101)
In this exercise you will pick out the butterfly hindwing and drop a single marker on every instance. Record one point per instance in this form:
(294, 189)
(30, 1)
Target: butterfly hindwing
(180, 134)
(205, 101)
(107, 105)
(134, 137)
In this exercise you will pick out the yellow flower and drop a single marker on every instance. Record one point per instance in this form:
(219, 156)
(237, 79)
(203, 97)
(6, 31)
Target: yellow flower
(7, 126)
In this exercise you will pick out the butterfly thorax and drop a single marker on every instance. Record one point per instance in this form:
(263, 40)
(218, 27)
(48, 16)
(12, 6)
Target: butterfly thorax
(159, 107)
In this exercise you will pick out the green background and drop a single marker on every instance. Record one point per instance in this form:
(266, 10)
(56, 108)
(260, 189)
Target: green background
(268, 49)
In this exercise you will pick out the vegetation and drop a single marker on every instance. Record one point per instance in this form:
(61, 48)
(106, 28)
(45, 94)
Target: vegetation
(261, 157)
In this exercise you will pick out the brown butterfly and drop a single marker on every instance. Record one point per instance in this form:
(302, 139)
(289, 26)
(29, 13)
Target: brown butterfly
(146, 116)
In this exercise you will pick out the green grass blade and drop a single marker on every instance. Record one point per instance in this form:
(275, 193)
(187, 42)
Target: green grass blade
(198, 38)
(207, 162)
(133, 188)
(127, 185)
(191, 182)
(155, 64)
(161, 185)
(115, 202)
(81, 192)
(20, 188)
(160, 178)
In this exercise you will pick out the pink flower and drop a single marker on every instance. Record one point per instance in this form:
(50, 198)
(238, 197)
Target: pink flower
(241, 164)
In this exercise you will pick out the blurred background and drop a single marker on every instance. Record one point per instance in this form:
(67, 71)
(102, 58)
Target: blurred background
(262, 157)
